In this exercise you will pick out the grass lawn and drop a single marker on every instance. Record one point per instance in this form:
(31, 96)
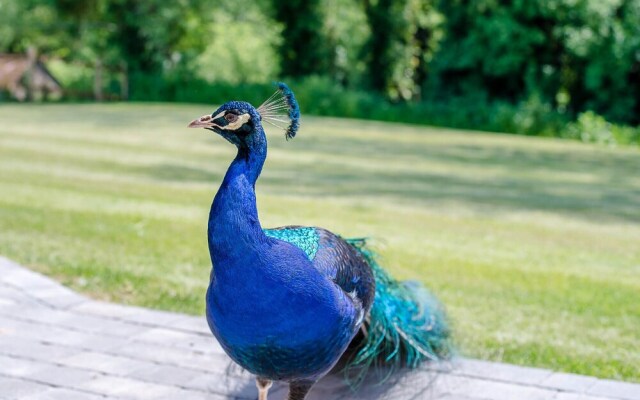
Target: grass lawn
(533, 244)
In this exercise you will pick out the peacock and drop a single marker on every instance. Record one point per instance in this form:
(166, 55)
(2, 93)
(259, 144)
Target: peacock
(290, 303)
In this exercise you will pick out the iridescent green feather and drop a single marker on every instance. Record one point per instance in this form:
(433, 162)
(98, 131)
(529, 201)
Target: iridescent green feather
(406, 325)
(307, 239)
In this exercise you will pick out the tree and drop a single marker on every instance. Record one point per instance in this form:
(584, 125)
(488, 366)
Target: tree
(129, 37)
(404, 35)
(573, 56)
(303, 51)
(384, 19)
(35, 24)
(242, 44)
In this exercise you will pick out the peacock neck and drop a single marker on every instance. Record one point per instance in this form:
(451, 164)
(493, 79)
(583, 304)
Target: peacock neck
(247, 165)
(234, 227)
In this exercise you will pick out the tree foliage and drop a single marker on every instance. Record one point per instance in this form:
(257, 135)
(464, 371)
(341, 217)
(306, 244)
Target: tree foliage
(572, 54)
(242, 45)
(541, 57)
(32, 24)
(302, 50)
(404, 35)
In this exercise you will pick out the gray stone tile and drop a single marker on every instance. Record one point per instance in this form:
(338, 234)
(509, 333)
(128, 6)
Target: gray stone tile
(103, 309)
(128, 388)
(183, 394)
(63, 376)
(106, 363)
(486, 389)
(26, 280)
(84, 340)
(152, 317)
(101, 343)
(502, 372)
(617, 390)
(11, 327)
(29, 329)
(453, 397)
(109, 327)
(75, 322)
(14, 388)
(19, 367)
(445, 385)
(9, 305)
(41, 315)
(15, 302)
(61, 336)
(569, 382)
(243, 388)
(411, 385)
(446, 366)
(165, 374)
(164, 336)
(191, 324)
(13, 295)
(31, 349)
(174, 356)
(57, 296)
(57, 393)
(185, 340)
(86, 324)
(67, 337)
(7, 266)
(578, 396)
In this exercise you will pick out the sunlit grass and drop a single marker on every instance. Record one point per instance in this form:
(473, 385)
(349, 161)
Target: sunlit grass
(533, 244)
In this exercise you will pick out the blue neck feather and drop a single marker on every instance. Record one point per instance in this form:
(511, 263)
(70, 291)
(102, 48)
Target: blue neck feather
(234, 227)
(252, 152)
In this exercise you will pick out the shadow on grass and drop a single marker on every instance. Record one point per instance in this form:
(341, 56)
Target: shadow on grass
(491, 179)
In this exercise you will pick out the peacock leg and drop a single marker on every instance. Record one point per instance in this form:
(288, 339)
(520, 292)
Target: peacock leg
(263, 388)
(298, 389)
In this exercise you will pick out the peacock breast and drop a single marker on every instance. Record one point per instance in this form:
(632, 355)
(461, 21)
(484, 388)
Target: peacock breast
(279, 318)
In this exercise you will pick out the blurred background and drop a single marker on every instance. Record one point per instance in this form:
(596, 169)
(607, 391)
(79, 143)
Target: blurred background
(529, 237)
(531, 67)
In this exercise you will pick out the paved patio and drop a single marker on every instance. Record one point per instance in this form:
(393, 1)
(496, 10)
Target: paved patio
(58, 345)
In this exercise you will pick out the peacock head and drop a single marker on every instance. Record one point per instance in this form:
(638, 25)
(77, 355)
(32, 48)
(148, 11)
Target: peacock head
(239, 122)
(235, 121)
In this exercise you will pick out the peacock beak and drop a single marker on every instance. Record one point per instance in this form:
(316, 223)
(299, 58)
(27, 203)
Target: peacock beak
(206, 121)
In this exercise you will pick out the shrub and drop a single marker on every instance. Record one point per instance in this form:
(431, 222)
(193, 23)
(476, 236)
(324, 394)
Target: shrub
(593, 128)
(321, 96)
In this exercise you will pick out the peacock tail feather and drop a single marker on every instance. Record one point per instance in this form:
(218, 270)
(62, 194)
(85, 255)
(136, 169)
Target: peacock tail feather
(405, 327)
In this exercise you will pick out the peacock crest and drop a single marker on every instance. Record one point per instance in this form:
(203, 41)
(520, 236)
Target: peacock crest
(282, 111)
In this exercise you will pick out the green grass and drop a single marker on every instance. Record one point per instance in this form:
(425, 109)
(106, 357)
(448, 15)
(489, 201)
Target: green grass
(533, 244)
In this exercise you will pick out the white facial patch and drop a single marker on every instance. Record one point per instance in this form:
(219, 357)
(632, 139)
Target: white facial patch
(242, 119)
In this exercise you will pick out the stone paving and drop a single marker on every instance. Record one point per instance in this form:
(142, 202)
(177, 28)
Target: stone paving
(58, 345)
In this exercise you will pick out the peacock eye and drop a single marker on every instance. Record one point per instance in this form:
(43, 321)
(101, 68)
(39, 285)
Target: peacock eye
(230, 117)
